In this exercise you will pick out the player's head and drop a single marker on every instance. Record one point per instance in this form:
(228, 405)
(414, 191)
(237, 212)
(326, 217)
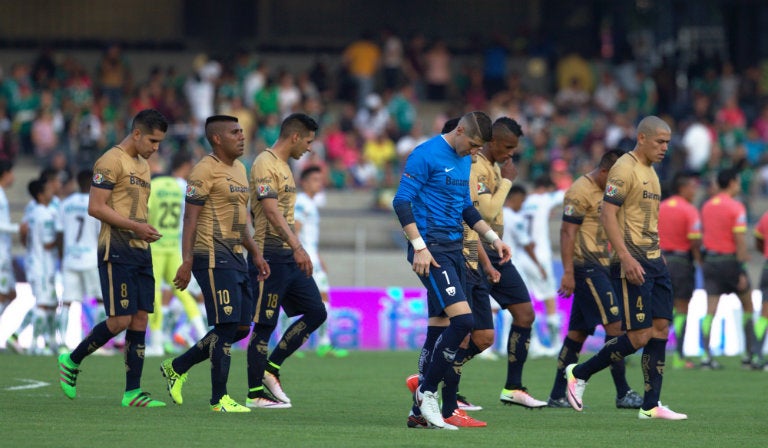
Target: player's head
(653, 136)
(506, 137)
(473, 130)
(516, 197)
(311, 180)
(51, 179)
(685, 183)
(298, 131)
(181, 160)
(36, 189)
(6, 173)
(84, 180)
(225, 135)
(147, 131)
(543, 182)
(728, 180)
(450, 125)
(609, 158)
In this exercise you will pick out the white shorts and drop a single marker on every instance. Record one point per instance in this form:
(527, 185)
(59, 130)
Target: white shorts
(539, 287)
(7, 277)
(79, 284)
(44, 290)
(321, 278)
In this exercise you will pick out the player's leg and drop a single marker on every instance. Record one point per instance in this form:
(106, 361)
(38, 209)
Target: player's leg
(156, 336)
(716, 269)
(569, 352)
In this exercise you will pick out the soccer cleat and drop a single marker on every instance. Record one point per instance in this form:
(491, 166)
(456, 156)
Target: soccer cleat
(682, 363)
(460, 419)
(14, 345)
(272, 384)
(328, 349)
(174, 381)
(630, 400)
(558, 403)
(710, 364)
(263, 400)
(227, 404)
(138, 399)
(661, 412)
(520, 397)
(429, 406)
(68, 376)
(412, 382)
(466, 405)
(575, 389)
(419, 422)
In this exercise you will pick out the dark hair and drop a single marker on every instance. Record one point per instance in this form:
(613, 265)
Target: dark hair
(609, 158)
(543, 181)
(308, 171)
(478, 124)
(179, 159)
(210, 125)
(516, 189)
(35, 188)
(47, 174)
(450, 125)
(509, 123)
(149, 120)
(84, 179)
(726, 176)
(297, 123)
(5, 166)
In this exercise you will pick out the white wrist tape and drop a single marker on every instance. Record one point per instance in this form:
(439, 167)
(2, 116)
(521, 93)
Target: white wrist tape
(490, 236)
(418, 244)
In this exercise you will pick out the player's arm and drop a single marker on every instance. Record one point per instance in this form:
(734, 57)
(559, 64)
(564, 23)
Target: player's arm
(278, 222)
(759, 242)
(472, 218)
(99, 208)
(493, 275)
(742, 253)
(490, 205)
(188, 236)
(568, 232)
(633, 271)
(253, 249)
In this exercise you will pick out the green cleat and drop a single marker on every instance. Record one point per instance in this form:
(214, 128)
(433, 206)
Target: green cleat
(328, 349)
(174, 380)
(68, 376)
(138, 399)
(227, 404)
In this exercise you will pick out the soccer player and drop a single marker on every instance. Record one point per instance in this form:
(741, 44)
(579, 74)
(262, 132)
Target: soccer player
(761, 326)
(80, 240)
(629, 214)
(165, 214)
(537, 209)
(7, 228)
(431, 202)
(307, 224)
(291, 286)
(724, 224)
(118, 198)
(586, 258)
(680, 242)
(214, 240)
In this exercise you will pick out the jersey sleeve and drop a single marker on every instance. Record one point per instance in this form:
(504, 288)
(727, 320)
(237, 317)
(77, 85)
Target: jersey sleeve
(265, 181)
(300, 210)
(740, 223)
(198, 185)
(761, 229)
(106, 171)
(619, 184)
(694, 224)
(574, 207)
(416, 172)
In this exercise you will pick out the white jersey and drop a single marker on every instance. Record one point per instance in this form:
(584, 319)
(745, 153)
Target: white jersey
(41, 262)
(516, 233)
(7, 228)
(308, 215)
(81, 233)
(537, 209)
(54, 205)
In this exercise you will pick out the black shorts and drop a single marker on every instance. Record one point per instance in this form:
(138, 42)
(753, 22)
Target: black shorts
(721, 274)
(594, 300)
(643, 303)
(682, 272)
(511, 289)
(479, 299)
(228, 295)
(764, 282)
(287, 287)
(127, 288)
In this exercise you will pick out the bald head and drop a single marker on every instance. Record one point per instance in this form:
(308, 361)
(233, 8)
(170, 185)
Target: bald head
(651, 125)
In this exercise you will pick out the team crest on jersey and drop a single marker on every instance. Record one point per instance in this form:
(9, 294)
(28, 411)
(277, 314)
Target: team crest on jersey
(191, 190)
(640, 317)
(264, 190)
(124, 303)
(611, 191)
(569, 210)
(98, 178)
(228, 310)
(451, 290)
(482, 188)
(269, 314)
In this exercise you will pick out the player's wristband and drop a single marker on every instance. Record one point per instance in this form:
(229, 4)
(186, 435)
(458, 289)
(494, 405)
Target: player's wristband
(490, 236)
(418, 244)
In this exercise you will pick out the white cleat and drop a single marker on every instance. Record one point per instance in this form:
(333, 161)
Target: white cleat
(429, 406)
(272, 383)
(661, 412)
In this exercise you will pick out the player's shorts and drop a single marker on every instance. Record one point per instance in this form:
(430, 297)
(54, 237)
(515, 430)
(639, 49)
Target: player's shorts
(682, 272)
(764, 282)
(79, 284)
(228, 295)
(594, 301)
(44, 289)
(7, 277)
(478, 296)
(288, 287)
(445, 285)
(321, 279)
(127, 288)
(541, 288)
(643, 303)
(511, 289)
(721, 274)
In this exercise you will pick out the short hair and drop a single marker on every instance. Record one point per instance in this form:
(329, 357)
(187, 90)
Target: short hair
(543, 181)
(179, 159)
(477, 124)
(516, 189)
(5, 166)
(149, 120)
(297, 123)
(84, 179)
(726, 176)
(609, 158)
(651, 124)
(211, 122)
(35, 188)
(680, 180)
(450, 125)
(308, 171)
(47, 174)
(510, 124)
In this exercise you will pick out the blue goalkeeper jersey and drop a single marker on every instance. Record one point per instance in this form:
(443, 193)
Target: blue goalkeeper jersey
(436, 183)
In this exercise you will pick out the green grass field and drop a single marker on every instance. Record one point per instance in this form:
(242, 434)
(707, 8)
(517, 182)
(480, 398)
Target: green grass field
(362, 401)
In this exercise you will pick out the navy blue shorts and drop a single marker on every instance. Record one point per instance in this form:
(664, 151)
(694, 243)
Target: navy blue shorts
(228, 295)
(643, 303)
(594, 301)
(446, 284)
(127, 288)
(287, 287)
(479, 299)
(511, 289)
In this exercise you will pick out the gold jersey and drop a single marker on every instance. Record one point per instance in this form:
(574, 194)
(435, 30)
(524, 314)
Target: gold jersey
(581, 205)
(635, 188)
(271, 177)
(129, 179)
(471, 238)
(222, 192)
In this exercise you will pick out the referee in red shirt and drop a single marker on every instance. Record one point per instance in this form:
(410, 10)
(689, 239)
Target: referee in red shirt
(680, 243)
